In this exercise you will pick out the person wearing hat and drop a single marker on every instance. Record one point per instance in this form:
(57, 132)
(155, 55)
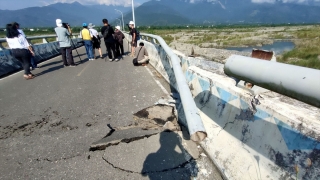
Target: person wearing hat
(134, 41)
(96, 40)
(86, 36)
(107, 33)
(119, 36)
(64, 43)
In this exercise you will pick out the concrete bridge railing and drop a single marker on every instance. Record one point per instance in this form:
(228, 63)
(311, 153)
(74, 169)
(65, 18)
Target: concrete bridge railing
(250, 136)
(44, 51)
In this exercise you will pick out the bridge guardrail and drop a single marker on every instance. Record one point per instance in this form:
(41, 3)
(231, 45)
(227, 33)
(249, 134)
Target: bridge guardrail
(192, 116)
(44, 51)
(43, 37)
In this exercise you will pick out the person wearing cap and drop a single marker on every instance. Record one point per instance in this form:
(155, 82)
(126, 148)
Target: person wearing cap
(119, 36)
(64, 43)
(134, 41)
(86, 36)
(96, 40)
(108, 32)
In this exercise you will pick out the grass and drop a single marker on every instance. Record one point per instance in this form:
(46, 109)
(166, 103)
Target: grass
(306, 38)
(307, 50)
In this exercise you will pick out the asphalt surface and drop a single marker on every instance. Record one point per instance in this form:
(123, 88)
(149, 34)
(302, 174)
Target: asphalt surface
(47, 124)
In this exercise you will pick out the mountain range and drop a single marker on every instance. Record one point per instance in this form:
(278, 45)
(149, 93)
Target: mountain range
(168, 12)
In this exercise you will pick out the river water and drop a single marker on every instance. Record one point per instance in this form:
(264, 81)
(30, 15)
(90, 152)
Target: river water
(278, 47)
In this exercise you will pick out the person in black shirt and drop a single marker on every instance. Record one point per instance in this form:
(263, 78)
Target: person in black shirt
(107, 33)
(133, 33)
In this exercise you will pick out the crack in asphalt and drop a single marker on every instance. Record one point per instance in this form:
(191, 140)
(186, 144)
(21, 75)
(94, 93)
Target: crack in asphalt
(55, 160)
(115, 143)
(180, 166)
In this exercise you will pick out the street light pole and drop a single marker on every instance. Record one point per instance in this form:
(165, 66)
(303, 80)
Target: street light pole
(122, 19)
(119, 21)
(135, 25)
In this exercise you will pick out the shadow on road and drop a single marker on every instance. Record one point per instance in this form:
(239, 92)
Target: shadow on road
(171, 161)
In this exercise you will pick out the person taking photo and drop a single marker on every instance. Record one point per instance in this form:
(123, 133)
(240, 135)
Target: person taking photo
(64, 43)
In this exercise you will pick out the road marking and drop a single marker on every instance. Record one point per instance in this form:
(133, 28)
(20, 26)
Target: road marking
(83, 70)
(159, 84)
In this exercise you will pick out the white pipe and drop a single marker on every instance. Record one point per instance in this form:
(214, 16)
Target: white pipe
(294, 81)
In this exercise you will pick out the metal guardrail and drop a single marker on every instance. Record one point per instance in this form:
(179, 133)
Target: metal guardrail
(195, 125)
(294, 81)
(44, 38)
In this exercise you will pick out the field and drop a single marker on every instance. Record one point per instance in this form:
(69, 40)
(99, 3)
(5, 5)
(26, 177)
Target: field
(210, 42)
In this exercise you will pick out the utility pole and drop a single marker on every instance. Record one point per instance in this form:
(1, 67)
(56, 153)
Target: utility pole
(133, 17)
(122, 19)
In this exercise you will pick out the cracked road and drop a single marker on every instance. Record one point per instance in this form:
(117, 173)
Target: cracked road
(48, 124)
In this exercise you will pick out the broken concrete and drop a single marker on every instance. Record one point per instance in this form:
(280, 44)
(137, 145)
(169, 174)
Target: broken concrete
(127, 135)
(155, 117)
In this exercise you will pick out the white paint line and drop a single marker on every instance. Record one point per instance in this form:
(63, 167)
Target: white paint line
(159, 84)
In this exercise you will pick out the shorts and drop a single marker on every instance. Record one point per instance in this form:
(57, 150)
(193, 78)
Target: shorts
(96, 45)
(134, 43)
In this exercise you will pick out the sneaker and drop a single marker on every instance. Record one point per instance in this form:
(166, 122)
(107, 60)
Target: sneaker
(110, 60)
(123, 55)
(66, 65)
(117, 59)
(73, 65)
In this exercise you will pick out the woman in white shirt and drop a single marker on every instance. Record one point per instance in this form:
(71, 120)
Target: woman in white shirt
(20, 49)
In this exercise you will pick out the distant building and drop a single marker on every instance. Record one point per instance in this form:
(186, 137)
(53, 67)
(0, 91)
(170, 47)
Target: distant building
(31, 29)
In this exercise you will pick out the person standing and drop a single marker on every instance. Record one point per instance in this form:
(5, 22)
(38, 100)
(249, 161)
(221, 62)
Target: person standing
(96, 40)
(119, 36)
(107, 33)
(64, 43)
(33, 63)
(86, 35)
(20, 48)
(134, 41)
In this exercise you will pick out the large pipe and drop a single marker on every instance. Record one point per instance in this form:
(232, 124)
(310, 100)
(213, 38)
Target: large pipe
(195, 126)
(294, 81)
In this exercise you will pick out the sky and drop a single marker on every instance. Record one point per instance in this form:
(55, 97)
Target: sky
(20, 4)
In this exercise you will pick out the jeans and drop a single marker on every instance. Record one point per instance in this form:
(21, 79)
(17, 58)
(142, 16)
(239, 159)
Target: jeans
(118, 48)
(23, 56)
(33, 62)
(64, 51)
(110, 47)
(89, 48)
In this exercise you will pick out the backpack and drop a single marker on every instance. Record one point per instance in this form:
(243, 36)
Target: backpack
(106, 33)
(138, 34)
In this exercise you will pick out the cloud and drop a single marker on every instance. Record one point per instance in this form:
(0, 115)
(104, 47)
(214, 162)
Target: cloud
(284, 1)
(106, 2)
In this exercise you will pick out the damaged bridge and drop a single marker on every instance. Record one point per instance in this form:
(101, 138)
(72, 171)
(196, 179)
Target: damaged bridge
(98, 120)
